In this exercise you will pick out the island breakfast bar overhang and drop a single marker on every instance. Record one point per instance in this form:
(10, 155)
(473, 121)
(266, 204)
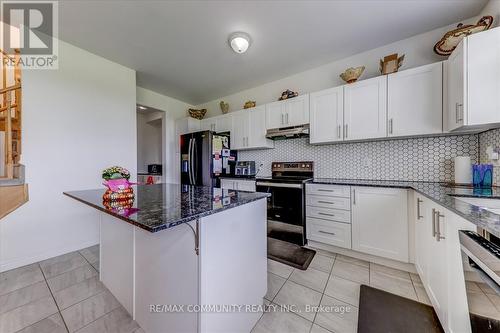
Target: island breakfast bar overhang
(185, 251)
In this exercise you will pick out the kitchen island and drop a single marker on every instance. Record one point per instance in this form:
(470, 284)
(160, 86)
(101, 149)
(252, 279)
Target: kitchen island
(185, 258)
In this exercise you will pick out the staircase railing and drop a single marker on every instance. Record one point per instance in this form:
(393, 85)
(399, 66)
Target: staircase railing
(10, 112)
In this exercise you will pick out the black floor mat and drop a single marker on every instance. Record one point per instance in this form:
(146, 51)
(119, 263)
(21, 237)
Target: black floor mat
(382, 312)
(287, 236)
(289, 254)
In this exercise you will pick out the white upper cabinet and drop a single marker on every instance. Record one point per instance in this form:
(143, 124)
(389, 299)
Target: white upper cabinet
(415, 101)
(365, 109)
(380, 222)
(249, 129)
(456, 86)
(217, 124)
(187, 125)
(287, 113)
(327, 115)
(474, 82)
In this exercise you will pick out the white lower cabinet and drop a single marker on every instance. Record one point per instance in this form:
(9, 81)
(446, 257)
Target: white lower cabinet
(329, 232)
(238, 184)
(328, 214)
(438, 262)
(380, 222)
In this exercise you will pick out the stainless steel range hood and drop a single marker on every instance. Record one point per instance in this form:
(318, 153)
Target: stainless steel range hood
(288, 132)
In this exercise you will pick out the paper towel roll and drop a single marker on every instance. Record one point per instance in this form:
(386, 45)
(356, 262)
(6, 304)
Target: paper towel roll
(463, 170)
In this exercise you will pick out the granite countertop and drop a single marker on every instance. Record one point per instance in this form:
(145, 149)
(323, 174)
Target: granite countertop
(162, 206)
(443, 195)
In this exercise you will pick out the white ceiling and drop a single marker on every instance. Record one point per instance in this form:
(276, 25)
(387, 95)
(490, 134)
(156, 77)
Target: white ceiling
(180, 49)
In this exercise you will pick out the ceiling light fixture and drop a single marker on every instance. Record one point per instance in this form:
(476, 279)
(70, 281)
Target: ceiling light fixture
(140, 107)
(239, 42)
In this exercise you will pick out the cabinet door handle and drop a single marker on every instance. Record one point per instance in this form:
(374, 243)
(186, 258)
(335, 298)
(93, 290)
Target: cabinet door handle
(338, 132)
(419, 201)
(326, 214)
(326, 232)
(327, 202)
(345, 131)
(438, 226)
(282, 119)
(433, 222)
(353, 196)
(460, 112)
(390, 125)
(287, 118)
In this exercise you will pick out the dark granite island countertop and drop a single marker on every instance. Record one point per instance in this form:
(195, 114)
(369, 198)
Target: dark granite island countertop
(162, 206)
(442, 194)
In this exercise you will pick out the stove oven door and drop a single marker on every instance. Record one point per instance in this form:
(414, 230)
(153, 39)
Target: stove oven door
(285, 211)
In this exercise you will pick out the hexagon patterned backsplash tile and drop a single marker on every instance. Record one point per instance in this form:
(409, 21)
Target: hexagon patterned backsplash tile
(419, 159)
(490, 138)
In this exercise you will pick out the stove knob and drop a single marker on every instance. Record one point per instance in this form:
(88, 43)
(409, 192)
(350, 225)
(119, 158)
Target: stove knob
(303, 165)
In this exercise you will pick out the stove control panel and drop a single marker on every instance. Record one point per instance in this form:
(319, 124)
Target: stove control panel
(293, 166)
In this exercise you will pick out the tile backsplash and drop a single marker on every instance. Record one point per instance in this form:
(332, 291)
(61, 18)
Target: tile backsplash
(419, 159)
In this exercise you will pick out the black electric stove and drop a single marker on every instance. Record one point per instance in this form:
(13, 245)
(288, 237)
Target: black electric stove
(286, 205)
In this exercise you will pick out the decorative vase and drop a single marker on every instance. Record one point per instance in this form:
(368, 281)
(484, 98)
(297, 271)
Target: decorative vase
(351, 74)
(224, 107)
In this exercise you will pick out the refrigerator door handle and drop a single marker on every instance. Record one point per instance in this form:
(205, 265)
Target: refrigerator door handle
(189, 160)
(195, 162)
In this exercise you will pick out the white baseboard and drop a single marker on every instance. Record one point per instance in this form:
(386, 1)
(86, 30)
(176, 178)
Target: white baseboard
(408, 267)
(19, 262)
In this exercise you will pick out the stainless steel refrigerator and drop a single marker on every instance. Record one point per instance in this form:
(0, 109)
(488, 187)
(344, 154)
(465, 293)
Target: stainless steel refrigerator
(205, 156)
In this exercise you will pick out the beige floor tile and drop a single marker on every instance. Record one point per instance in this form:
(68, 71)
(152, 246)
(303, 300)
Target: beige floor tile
(301, 298)
(323, 252)
(27, 315)
(390, 271)
(274, 284)
(117, 321)
(62, 264)
(322, 263)
(85, 312)
(495, 299)
(352, 260)
(311, 278)
(337, 316)
(472, 286)
(421, 293)
(97, 265)
(23, 296)
(344, 290)
(480, 304)
(52, 324)
(318, 329)
(91, 254)
(350, 271)
(393, 284)
(70, 278)
(486, 288)
(19, 278)
(282, 322)
(415, 278)
(279, 268)
(78, 292)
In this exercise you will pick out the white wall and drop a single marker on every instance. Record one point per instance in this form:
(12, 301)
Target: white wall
(149, 141)
(174, 109)
(418, 50)
(77, 121)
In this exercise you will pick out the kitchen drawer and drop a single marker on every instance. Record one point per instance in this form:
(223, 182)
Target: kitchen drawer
(329, 190)
(328, 202)
(333, 233)
(337, 215)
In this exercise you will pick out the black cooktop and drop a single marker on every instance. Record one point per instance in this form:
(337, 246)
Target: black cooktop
(284, 179)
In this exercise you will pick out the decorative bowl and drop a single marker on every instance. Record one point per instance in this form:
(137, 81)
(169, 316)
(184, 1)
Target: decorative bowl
(197, 113)
(249, 104)
(351, 74)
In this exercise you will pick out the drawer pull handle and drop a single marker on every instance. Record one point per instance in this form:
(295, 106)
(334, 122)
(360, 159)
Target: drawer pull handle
(323, 190)
(320, 213)
(326, 202)
(326, 232)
